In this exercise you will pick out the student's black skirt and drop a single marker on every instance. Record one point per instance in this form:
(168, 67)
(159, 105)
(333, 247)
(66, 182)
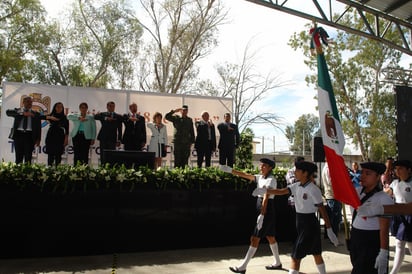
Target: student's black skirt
(308, 236)
(269, 221)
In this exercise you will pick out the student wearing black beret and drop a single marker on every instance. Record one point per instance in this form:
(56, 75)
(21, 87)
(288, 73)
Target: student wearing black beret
(369, 237)
(308, 200)
(265, 212)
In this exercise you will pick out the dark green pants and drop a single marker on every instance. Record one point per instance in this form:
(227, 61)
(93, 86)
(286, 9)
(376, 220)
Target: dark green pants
(181, 153)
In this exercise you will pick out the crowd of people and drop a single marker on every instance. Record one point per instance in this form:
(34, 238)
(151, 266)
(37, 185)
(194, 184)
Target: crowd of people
(116, 129)
(383, 189)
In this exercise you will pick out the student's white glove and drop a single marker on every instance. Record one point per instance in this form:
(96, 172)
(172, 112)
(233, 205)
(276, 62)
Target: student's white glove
(259, 191)
(370, 209)
(332, 237)
(225, 168)
(259, 221)
(381, 263)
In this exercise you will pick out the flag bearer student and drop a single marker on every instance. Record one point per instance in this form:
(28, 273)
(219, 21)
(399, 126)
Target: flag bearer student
(369, 237)
(265, 211)
(308, 200)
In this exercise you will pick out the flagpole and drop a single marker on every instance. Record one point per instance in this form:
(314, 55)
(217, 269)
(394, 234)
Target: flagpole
(332, 133)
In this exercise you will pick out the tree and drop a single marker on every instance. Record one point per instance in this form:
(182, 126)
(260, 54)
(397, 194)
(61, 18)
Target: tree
(95, 48)
(244, 153)
(301, 134)
(366, 105)
(181, 33)
(247, 87)
(19, 20)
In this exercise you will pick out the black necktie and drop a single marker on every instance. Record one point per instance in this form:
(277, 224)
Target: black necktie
(24, 122)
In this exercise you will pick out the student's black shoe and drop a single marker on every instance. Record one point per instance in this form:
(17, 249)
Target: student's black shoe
(273, 267)
(237, 270)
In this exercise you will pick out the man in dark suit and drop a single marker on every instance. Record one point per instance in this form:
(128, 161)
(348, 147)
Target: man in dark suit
(205, 142)
(110, 133)
(26, 130)
(228, 142)
(134, 136)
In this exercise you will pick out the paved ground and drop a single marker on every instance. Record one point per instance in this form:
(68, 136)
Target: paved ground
(205, 261)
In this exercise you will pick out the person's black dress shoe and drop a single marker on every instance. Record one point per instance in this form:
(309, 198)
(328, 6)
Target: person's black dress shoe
(273, 267)
(237, 270)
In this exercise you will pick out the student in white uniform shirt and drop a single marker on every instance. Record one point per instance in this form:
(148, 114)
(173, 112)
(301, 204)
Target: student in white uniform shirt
(369, 237)
(401, 190)
(308, 200)
(373, 209)
(265, 212)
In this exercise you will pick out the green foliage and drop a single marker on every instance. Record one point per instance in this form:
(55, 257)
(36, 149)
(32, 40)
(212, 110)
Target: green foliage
(92, 45)
(18, 37)
(280, 175)
(67, 178)
(305, 128)
(244, 153)
(365, 103)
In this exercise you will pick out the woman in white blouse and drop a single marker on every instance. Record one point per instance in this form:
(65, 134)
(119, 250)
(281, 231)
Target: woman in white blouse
(158, 141)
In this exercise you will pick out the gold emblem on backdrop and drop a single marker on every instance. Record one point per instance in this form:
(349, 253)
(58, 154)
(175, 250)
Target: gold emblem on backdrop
(40, 104)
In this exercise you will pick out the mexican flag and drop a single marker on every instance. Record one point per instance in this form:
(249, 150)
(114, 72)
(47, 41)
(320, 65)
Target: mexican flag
(332, 134)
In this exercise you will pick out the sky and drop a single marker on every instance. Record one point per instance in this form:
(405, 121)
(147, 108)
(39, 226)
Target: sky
(268, 32)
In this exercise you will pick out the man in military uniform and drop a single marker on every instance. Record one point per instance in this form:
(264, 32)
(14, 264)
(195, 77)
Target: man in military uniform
(184, 135)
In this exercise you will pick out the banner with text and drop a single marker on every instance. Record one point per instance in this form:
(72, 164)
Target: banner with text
(45, 96)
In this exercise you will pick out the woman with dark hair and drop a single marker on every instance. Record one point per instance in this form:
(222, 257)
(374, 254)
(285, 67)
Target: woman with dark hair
(57, 135)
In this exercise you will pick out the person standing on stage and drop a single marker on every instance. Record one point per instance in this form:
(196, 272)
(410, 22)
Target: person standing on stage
(83, 134)
(110, 133)
(158, 141)
(205, 143)
(26, 131)
(184, 135)
(57, 136)
(229, 140)
(134, 135)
